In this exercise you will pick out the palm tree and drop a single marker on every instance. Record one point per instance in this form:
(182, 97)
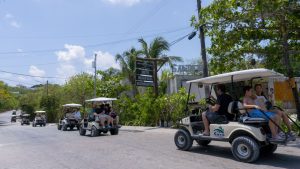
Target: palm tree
(127, 64)
(156, 49)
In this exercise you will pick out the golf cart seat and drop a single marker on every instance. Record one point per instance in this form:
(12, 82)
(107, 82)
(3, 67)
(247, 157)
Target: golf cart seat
(237, 108)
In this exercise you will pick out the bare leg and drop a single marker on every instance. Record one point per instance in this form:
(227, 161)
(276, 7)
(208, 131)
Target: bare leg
(273, 127)
(285, 119)
(206, 123)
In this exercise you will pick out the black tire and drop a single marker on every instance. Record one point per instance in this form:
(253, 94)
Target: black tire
(64, 127)
(94, 132)
(269, 149)
(183, 140)
(59, 127)
(82, 131)
(21, 124)
(114, 131)
(245, 149)
(41, 125)
(203, 142)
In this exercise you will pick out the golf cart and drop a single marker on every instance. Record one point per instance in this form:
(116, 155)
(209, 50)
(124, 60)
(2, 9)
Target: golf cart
(248, 136)
(69, 119)
(92, 124)
(25, 119)
(13, 116)
(39, 119)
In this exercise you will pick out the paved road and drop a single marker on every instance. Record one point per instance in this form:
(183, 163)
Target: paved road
(25, 147)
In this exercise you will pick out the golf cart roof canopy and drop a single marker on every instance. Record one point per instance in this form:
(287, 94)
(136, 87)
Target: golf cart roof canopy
(25, 115)
(237, 76)
(72, 105)
(101, 99)
(39, 111)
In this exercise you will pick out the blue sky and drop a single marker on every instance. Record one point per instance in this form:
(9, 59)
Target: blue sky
(58, 38)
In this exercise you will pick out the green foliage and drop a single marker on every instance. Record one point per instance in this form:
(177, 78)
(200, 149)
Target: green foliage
(145, 110)
(7, 100)
(241, 30)
(51, 105)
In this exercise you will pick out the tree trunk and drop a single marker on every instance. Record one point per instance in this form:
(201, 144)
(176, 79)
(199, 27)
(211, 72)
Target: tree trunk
(290, 71)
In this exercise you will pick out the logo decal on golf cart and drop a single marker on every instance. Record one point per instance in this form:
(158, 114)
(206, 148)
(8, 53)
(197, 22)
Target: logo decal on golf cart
(219, 132)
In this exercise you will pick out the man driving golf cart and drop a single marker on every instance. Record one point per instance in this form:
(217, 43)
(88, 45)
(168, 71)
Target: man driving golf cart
(71, 117)
(101, 119)
(249, 136)
(39, 119)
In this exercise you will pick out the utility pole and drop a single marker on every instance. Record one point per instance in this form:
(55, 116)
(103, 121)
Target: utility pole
(47, 88)
(95, 77)
(203, 48)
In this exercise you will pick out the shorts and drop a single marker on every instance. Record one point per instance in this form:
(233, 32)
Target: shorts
(213, 117)
(259, 114)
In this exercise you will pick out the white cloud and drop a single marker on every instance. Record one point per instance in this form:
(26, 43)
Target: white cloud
(73, 61)
(106, 60)
(15, 24)
(123, 2)
(73, 52)
(8, 16)
(34, 71)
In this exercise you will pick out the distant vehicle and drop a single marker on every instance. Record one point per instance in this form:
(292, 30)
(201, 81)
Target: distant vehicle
(13, 118)
(248, 136)
(92, 123)
(39, 119)
(25, 119)
(71, 117)
(14, 112)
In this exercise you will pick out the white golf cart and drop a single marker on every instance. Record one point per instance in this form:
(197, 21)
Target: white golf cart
(70, 118)
(25, 119)
(248, 136)
(93, 125)
(39, 119)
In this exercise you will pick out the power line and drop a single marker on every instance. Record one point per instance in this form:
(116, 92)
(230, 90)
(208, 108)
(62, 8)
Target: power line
(94, 45)
(20, 74)
(180, 39)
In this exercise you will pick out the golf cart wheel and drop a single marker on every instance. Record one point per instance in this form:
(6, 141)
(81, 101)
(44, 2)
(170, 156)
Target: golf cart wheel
(203, 142)
(269, 149)
(114, 131)
(82, 131)
(94, 132)
(22, 124)
(245, 149)
(41, 125)
(183, 140)
(59, 127)
(64, 127)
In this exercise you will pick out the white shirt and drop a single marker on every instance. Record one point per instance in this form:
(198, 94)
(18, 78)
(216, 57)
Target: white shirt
(260, 101)
(77, 115)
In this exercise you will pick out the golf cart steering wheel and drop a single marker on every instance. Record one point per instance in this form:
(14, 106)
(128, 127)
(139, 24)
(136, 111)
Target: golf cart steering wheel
(210, 101)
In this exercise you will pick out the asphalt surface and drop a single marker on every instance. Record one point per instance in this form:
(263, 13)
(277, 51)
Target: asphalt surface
(26, 147)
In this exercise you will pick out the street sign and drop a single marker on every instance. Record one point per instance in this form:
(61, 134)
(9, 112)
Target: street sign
(143, 83)
(144, 73)
(144, 65)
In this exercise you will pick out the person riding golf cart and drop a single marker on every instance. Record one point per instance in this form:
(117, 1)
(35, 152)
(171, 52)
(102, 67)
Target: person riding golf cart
(71, 117)
(39, 119)
(248, 136)
(25, 119)
(101, 119)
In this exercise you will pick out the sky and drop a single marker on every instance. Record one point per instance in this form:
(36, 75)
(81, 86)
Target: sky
(59, 38)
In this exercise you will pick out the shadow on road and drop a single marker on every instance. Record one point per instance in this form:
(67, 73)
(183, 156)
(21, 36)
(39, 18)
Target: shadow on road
(274, 160)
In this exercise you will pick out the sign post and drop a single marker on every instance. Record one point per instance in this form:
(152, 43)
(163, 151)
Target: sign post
(146, 72)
